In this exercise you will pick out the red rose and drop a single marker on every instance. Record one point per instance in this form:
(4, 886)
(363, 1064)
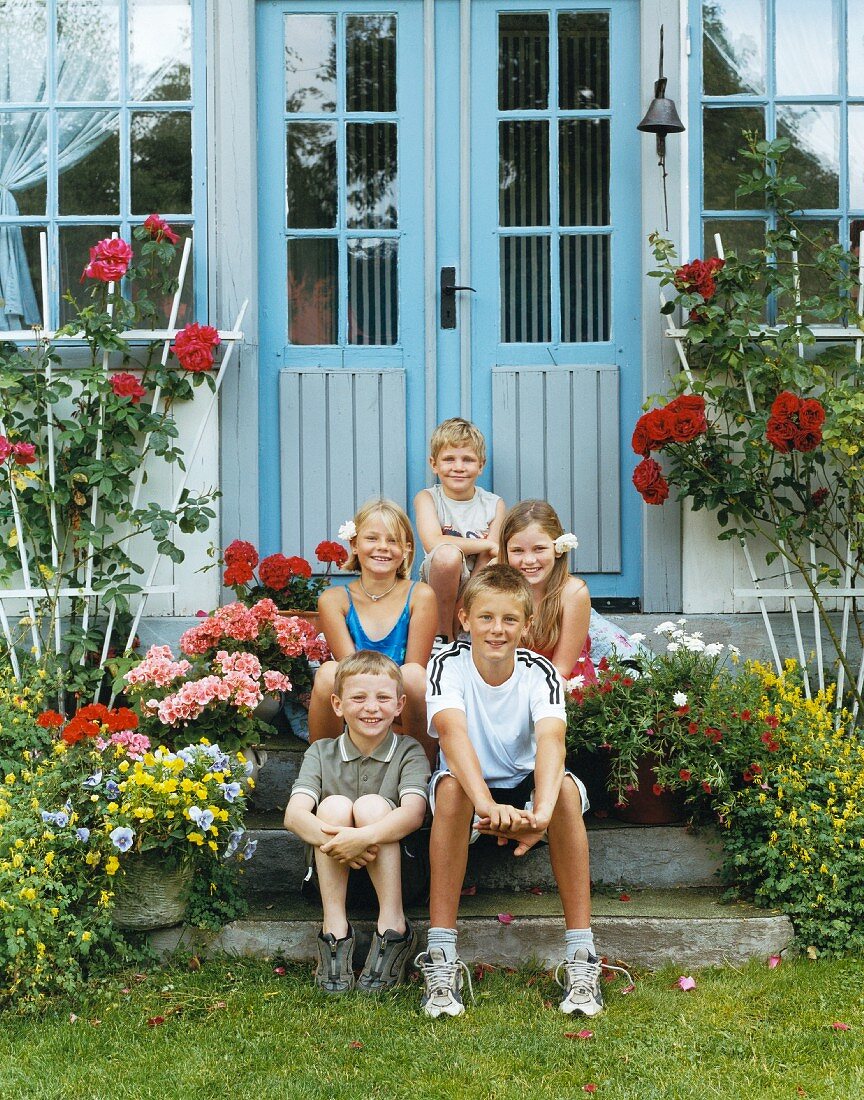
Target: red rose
(785, 404)
(5, 448)
(334, 552)
(698, 277)
(109, 260)
(194, 346)
(689, 423)
(807, 439)
(780, 434)
(275, 571)
(641, 441)
(299, 567)
(660, 424)
(238, 550)
(127, 385)
(811, 413)
(818, 498)
(160, 230)
(646, 474)
(238, 572)
(24, 453)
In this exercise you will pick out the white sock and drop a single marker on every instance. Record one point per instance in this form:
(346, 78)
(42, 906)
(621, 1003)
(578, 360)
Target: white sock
(575, 938)
(445, 940)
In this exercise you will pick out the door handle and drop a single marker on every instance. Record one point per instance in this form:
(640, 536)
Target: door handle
(448, 296)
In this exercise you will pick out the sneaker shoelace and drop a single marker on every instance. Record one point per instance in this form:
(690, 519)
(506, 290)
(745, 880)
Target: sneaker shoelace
(583, 974)
(441, 977)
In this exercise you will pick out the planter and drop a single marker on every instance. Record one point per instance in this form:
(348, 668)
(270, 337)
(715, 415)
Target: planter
(151, 895)
(268, 708)
(593, 768)
(644, 807)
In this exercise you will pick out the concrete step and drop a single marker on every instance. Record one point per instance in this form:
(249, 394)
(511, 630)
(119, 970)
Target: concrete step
(653, 928)
(661, 856)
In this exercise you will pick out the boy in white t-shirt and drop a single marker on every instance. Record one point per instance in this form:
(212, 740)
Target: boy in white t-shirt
(498, 712)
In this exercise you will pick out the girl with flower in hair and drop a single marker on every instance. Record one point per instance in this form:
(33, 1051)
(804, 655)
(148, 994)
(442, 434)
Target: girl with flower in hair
(534, 542)
(382, 610)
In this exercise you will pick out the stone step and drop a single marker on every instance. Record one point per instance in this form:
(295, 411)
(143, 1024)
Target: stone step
(660, 856)
(687, 928)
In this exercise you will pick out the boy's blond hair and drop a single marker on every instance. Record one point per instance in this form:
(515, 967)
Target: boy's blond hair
(367, 662)
(458, 432)
(396, 522)
(502, 580)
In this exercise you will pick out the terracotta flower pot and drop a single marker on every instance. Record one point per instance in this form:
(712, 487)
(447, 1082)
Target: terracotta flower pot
(644, 807)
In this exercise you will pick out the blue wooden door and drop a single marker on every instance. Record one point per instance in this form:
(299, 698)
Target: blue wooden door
(501, 138)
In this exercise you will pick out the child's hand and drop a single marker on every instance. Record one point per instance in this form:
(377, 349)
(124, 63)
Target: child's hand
(348, 845)
(500, 819)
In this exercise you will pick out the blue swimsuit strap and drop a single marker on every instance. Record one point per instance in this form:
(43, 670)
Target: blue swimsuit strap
(405, 611)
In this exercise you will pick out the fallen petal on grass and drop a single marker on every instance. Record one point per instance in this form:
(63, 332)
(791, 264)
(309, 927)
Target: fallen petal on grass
(505, 918)
(624, 897)
(627, 989)
(156, 1021)
(686, 983)
(589, 1088)
(355, 1045)
(773, 961)
(280, 970)
(839, 1026)
(535, 890)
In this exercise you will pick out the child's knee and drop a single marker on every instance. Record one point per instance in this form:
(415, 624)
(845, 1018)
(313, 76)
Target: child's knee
(369, 808)
(325, 679)
(447, 561)
(414, 679)
(336, 810)
(451, 802)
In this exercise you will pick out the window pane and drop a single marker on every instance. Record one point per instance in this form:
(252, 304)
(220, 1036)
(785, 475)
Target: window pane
(855, 35)
(21, 287)
(736, 234)
(160, 49)
(75, 244)
(311, 175)
(585, 289)
(88, 49)
(162, 302)
(733, 47)
(23, 34)
(815, 235)
(584, 172)
(161, 162)
(23, 148)
(313, 291)
(856, 157)
(523, 172)
(371, 195)
(523, 61)
(583, 60)
(373, 292)
(815, 154)
(807, 47)
(722, 162)
(89, 161)
(370, 57)
(525, 293)
(310, 63)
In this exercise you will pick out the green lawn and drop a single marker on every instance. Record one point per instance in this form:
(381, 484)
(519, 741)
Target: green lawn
(240, 1031)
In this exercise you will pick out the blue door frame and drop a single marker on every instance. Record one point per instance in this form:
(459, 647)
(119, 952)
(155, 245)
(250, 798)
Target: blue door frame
(621, 350)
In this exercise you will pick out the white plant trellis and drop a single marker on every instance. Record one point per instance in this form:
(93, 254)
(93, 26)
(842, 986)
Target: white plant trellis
(848, 593)
(86, 592)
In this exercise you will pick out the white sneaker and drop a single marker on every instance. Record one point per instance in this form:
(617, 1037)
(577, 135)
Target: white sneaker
(443, 979)
(581, 984)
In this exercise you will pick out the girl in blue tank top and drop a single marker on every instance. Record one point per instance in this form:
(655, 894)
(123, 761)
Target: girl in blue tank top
(382, 610)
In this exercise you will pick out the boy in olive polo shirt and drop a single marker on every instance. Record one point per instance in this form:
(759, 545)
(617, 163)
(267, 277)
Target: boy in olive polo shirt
(355, 798)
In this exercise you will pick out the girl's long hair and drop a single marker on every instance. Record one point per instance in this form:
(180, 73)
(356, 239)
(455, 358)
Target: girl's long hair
(396, 522)
(546, 626)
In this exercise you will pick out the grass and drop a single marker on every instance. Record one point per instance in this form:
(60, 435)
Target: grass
(238, 1030)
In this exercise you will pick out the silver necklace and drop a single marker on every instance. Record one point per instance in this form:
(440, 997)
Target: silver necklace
(375, 599)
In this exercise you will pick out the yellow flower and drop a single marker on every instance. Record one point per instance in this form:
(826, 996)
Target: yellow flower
(195, 838)
(105, 897)
(211, 844)
(86, 937)
(49, 859)
(123, 766)
(112, 808)
(112, 865)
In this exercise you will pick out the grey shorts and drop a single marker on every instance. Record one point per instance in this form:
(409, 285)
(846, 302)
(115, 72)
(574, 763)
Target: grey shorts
(427, 561)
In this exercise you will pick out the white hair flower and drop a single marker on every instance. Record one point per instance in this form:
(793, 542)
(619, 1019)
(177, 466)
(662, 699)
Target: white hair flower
(347, 531)
(679, 699)
(566, 542)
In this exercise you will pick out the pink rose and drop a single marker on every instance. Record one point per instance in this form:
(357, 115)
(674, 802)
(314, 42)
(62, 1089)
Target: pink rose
(5, 448)
(25, 453)
(194, 346)
(109, 260)
(160, 230)
(127, 385)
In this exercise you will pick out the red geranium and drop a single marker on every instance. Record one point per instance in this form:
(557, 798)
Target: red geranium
(299, 567)
(121, 719)
(275, 571)
(109, 260)
(48, 719)
(331, 552)
(239, 550)
(127, 385)
(80, 727)
(160, 230)
(238, 572)
(194, 346)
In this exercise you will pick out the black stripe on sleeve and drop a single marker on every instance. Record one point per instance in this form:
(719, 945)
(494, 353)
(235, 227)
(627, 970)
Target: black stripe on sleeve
(436, 665)
(550, 673)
